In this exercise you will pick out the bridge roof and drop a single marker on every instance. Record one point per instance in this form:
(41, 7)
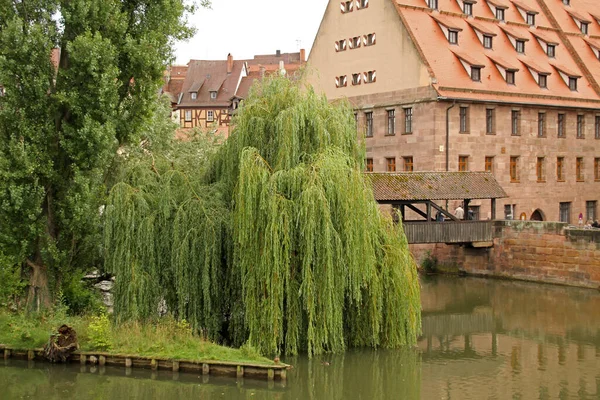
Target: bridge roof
(435, 186)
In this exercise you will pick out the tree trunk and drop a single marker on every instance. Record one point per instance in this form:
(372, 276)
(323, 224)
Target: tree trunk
(38, 295)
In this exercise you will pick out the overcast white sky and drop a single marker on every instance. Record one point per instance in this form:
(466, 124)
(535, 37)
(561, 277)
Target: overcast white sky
(245, 28)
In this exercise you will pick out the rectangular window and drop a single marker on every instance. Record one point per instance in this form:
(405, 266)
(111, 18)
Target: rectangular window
(487, 41)
(369, 165)
(369, 39)
(584, 28)
(510, 77)
(463, 163)
(468, 8)
(464, 119)
(355, 79)
(341, 45)
(579, 169)
(490, 121)
(391, 116)
(453, 37)
(370, 77)
(561, 126)
(362, 4)
(565, 212)
(543, 81)
(530, 19)
(213, 95)
(597, 127)
(476, 74)
(515, 122)
(369, 123)
(514, 168)
(560, 169)
(489, 164)
(346, 6)
(500, 14)
(597, 169)
(541, 124)
(390, 164)
(408, 164)
(433, 4)
(355, 42)
(210, 116)
(188, 115)
(551, 50)
(573, 84)
(340, 81)
(591, 208)
(508, 211)
(408, 117)
(580, 126)
(540, 169)
(520, 46)
(194, 95)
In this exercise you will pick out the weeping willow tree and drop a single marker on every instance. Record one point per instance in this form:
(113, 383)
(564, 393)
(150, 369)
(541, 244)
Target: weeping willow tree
(276, 240)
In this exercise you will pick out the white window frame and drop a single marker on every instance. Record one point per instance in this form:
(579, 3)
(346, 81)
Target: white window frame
(187, 115)
(194, 95)
(210, 116)
(213, 95)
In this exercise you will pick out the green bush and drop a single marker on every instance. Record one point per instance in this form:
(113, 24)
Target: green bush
(99, 332)
(80, 297)
(429, 263)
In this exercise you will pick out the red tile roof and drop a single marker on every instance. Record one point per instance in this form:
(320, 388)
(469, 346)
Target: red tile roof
(573, 56)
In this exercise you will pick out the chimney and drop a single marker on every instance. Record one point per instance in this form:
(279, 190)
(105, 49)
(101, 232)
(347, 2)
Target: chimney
(278, 53)
(302, 55)
(229, 63)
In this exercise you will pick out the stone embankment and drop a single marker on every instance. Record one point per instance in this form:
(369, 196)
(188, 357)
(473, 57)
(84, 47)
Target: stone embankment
(550, 252)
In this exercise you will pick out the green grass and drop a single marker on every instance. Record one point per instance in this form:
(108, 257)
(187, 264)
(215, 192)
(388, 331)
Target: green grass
(165, 338)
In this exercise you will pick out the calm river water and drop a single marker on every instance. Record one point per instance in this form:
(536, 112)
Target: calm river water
(482, 339)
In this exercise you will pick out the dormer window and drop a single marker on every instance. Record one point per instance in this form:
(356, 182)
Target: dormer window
(370, 76)
(510, 77)
(355, 79)
(341, 45)
(468, 8)
(453, 37)
(500, 14)
(487, 41)
(432, 4)
(194, 95)
(543, 81)
(346, 6)
(369, 39)
(551, 50)
(520, 46)
(573, 83)
(340, 81)
(362, 4)
(213, 95)
(584, 28)
(355, 42)
(530, 19)
(476, 74)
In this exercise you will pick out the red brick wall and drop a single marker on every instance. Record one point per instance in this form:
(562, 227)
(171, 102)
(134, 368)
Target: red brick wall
(527, 250)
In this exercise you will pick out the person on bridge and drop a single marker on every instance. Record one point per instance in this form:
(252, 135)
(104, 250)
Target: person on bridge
(459, 213)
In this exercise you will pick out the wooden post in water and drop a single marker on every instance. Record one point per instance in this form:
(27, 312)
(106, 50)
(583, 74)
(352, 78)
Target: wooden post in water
(240, 371)
(283, 374)
(82, 359)
(175, 366)
(128, 362)
(271, 374)
(205, 369)
(30, 355)
(154, 364)
(6, 354)
(102, 360)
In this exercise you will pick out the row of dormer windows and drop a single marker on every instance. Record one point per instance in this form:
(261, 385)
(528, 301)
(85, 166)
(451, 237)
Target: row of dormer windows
(355, 42)
(510, 78)
(357, 78)
(348, 6)
(499, 11)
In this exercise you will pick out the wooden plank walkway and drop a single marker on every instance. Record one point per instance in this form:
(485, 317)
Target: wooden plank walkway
(448, 231)
(205, 367)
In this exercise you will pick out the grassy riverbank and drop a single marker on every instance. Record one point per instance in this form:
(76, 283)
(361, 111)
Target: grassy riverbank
(165, 338)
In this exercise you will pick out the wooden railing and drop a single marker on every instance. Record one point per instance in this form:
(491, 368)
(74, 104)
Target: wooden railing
(449, 232)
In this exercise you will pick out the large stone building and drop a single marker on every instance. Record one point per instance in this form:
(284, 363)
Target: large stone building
(204, 93)
(511, 87)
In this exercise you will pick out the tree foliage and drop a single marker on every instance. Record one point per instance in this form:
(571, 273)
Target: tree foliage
(61, 123)
(276, 239)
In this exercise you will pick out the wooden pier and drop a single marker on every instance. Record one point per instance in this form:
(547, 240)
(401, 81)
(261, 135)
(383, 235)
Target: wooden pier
(203, 367)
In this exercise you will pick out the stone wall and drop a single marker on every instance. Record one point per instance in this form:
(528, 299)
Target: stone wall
(548, 252)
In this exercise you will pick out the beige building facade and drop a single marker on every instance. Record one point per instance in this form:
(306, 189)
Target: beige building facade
(504, 86)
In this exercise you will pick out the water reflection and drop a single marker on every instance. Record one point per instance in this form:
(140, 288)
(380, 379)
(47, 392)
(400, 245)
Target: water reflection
(482, 339)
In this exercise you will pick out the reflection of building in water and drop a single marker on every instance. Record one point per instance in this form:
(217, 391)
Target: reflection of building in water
(507, 339)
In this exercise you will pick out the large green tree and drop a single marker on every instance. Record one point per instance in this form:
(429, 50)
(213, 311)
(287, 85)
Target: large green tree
(81, 78)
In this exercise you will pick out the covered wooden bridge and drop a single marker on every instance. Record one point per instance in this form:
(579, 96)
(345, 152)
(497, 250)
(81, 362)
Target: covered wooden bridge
(422, 192)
